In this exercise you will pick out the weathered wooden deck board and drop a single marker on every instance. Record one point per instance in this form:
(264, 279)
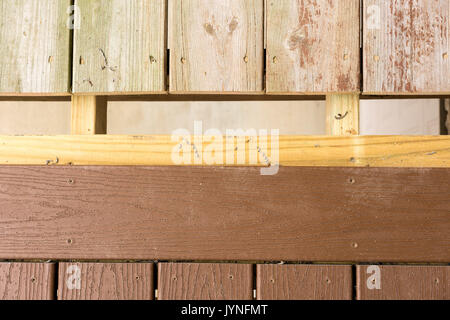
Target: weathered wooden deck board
(27, 281)
(216, 46)
(313, 46)
(105, 281)
(186, 213)
(373, 151)
(304, 282)
(406, 46)
(193, 281)
(403, 282)
(35, 43)
(120, 47)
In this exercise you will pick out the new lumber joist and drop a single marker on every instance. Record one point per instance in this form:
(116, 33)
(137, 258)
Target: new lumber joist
(325, 151)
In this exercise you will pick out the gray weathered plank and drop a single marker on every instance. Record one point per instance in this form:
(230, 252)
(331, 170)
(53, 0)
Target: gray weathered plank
(34, 50)
(216, 45)
(120, 46)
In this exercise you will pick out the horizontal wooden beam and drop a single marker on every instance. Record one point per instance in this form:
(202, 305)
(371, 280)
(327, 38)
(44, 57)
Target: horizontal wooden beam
(373, 151)
(225, 214)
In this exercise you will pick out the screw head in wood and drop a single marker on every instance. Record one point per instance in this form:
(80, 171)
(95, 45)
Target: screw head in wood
(275, 59)
(183, 60)
(246, 59)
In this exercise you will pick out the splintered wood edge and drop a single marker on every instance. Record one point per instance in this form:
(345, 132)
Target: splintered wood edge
(302, 151)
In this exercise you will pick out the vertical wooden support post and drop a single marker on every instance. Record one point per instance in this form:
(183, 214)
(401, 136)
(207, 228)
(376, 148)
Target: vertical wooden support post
(343, 114)
(89, 115)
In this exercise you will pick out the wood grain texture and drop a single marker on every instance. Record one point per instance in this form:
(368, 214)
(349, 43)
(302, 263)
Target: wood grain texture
(224, 214)
(194, 281)
(313, 46)
(216, 45)
(406, 48)
(303, 282)
(120, 46)
(405, 283)
(27, 281)
(35, 43)
(367, 151)
(105, 281)
(89, 115)
(342, 114)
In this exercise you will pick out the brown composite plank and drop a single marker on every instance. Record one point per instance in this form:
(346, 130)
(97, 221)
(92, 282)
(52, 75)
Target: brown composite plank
(232, 213)
(406, 47)
(205, 281)
(404, 283)
(303, 282)
(313, 46)
(105, 281)
(27, 281)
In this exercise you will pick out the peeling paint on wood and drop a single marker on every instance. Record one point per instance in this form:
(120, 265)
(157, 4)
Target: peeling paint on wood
(313, 46)
(406, 47)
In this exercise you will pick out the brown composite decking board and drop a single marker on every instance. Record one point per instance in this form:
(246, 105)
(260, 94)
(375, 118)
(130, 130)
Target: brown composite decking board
(313, 46)
(27, 281)
(404, 283)
(227, 214)
(303, 282)
(216, 46)
(205, 281)
(406, 48)
(105, 281)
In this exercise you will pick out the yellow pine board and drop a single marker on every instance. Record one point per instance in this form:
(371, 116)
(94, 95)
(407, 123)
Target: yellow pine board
(356, 151)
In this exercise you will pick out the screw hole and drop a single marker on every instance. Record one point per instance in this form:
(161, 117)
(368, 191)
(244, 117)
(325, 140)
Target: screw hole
(69, 241)
(352, 181)
(33, 279)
